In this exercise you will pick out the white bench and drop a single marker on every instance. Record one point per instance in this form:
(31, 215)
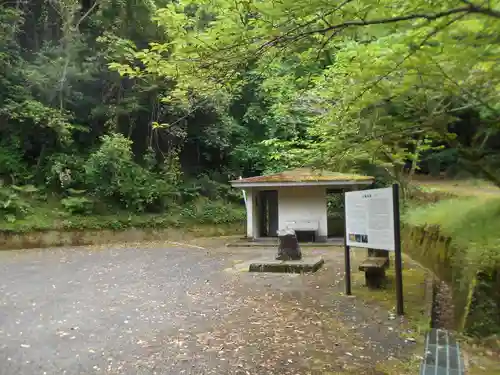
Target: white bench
(303, 225)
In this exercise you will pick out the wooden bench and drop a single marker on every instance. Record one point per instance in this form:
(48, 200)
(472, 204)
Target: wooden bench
(374, 267)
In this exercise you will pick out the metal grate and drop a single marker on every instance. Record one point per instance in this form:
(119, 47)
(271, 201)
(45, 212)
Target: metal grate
(442, 355)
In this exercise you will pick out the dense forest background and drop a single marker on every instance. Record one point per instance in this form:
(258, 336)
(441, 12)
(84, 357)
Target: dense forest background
(73, 128)
(145, 105)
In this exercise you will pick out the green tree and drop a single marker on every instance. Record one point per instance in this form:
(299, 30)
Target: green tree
(381, 81)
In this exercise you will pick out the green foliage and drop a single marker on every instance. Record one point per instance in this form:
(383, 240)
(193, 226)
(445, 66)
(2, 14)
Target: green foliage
(34, 113)
(13, 202)
(96, 142)
(470, 222)
(171, 172)
(335, 205)
(208, 186)
(343, 84)
(77, 205)
(484, 317)
(469, 261)
(64, 170)
(12, 165)
(24, 189)
(140, 103)
(52, 215)
(112, 173)
(208, 211)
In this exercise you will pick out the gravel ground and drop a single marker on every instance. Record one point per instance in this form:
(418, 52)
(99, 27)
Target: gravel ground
(181, 310)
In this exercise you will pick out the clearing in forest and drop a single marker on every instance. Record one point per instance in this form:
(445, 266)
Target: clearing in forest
(152, 309)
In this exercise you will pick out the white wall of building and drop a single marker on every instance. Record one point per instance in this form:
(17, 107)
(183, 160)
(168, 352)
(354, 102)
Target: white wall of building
(252, 223)
(294, 204)
(303, 203)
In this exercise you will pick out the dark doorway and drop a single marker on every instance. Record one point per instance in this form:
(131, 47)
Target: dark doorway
(335, 212)
(268, 213)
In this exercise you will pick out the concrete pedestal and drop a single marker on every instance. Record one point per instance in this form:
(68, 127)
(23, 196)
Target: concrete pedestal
(306, 264)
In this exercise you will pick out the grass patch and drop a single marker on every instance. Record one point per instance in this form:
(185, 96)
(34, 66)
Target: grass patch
(472, 223)
(51, 216)
(48, 223)
(483, 355)
(462, 188)
(414, 289)
(395, 366)
(484, 367)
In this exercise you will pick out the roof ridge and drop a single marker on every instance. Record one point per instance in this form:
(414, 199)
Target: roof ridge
(304, 174)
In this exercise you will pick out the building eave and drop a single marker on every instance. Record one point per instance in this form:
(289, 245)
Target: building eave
(337, 184)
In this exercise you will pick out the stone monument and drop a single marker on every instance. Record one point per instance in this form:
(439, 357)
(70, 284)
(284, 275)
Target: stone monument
(289, 258)
(288, 247)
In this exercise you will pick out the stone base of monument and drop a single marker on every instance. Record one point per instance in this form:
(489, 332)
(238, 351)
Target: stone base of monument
(305, 265)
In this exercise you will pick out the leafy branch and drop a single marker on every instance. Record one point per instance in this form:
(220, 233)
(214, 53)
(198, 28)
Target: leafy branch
(469, 9)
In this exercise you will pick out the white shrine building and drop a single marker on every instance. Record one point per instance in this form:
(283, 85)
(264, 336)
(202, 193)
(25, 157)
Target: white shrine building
(295, 199)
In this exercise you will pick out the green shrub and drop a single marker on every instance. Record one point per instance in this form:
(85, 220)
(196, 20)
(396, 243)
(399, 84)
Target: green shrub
(206, 186)
(11, 160)
(484, 314)
(63, 171)
(111, 173)
(12, 205)
(207, 211)
(78, 205)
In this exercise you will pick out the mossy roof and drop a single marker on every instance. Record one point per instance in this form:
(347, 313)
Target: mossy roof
(306, 175)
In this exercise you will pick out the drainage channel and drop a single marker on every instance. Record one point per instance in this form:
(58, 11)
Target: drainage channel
(442, 352)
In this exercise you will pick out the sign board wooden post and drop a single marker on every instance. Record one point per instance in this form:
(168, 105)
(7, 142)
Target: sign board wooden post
(372, 221)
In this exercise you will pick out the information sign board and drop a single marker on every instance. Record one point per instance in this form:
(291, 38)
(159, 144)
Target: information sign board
(370, 219)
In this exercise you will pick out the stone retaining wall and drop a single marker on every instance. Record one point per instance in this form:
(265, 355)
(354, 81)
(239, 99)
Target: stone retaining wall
(56, 238)
(467, 301)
